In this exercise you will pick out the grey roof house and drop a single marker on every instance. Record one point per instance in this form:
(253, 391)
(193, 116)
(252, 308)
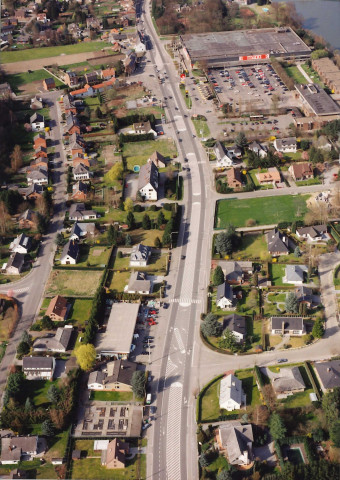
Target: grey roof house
(237, 440)
(80, 230)
(77, 212)
(38, 368)
(224, 296)
(14, 449)
(21, 244)
(295, 274)
(15, 264)
(140, 255)
(139, 283)
(235, 271)
(304, 295)
(237, 325)
(288, 382)
(328, 374)
(148, 181)
(116, 375)
(70, 253)
(231, 395)
(278, 243)
(313, 233)
(58, 343)
(287, 326)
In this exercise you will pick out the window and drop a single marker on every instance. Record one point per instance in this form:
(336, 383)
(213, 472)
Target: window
(296, 332)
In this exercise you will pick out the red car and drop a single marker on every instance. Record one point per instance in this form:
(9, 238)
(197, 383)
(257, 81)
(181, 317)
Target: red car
(153, 312)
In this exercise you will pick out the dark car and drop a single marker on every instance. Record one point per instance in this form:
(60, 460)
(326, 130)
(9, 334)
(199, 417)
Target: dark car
(282, 360)
(165, 305)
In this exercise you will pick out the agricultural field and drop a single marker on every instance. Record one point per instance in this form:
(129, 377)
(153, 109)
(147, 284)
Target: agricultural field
(263, 210)
(73, 283)
(29, 82)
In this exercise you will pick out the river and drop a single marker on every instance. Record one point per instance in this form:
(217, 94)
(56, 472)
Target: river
(322, 17)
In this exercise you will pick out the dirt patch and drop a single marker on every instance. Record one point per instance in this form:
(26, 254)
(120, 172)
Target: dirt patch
(8, 316)
(246, 13)
(109, 155)
(97, 252)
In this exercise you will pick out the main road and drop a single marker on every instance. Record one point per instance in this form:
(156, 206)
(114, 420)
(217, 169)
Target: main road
(29, 291)
(181, 363)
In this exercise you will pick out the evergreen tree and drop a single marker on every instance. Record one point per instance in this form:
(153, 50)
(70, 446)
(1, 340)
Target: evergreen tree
(29, 405)
(318, 328)
(160, 219)
(53, 394)
(47, 428)
(26, 337)
(130, 220)
(291, 303)
(157, 243)
(138, 383)
(146, 222)
(128, 240)
(297, 252)
(23, 349)
(277, 427)
(211, 327)
(218, 276)
(228, 340)
(241, 140)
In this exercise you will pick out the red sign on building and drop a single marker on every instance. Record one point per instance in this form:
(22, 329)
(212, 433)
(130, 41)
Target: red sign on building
(263, 56)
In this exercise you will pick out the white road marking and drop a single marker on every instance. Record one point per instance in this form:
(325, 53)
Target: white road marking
(173, 440)
(170, 367)
(184, 301)
(179, 340)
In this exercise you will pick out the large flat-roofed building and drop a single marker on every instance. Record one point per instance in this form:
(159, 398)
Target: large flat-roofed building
(316, 101)
(243, 47)
(329, 72)
(116, 341)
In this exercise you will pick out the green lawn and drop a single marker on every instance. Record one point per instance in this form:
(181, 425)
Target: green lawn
(93, 256)
(201, 126)
(276, 272)
(73, 283)
(311, 181)
(300, 399)
(19, 79)
(112, 396)
(47, 52)
(119, 280)
(137, 153)
(249, 386)
(295, 73)
(80, 311)
(91, 468)
(313, 75)
(37, 391)
(251, 247)
(57, 446)
(264, 210)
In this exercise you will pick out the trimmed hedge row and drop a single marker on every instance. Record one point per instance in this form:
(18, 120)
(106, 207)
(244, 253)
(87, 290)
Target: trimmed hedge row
(311, 379)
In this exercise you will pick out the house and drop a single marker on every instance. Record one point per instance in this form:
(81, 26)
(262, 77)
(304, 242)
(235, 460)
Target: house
(295, 274)
(70, 253)
(79, 191)
(39, 176)
(237, 325)
(108, 73)
(48, 83)
(143, 128)
(139, 283)
(140, 255)
(81, 172)
(148, 181)
(114, 456)
(158, 159)
(60, 342)
(105, 85)
(80, 230)
(71, 79)
(91, 77)
(39, 141)
(77, 212)
(15, 264)
(287, 326)
(76, 142)
(33, 192)
(129, 63)
(304, 295)
(21, 15)
(15, 449)
(36, 103)
(224, 296)
(314, 233)
(222, 158)
(37, 122)
(116, 375)
(72, 124)
(80, 158)
(234, 151)
(286, 145)
(86, 91)
(57, 309)
(301, 171)
(237, 439)
(27, 219)
(271, 176)
(235, 272)
(234, 179)
(42, 18)
(40, 163)
(38, 368)
(40, 152)
(287, 382)
(278, 243)
(21, 244)
(68, 105)
(258, 149)
(328, 374)
(231, 396)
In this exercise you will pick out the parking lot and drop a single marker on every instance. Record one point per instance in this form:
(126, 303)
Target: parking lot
(249, 88)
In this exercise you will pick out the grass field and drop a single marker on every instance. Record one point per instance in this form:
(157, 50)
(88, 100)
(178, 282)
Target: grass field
(112, 396)
(47, 52)
(276, 272)
(57, 446)
(311, 181)
(295, 73)
(73, 283)
(7, 322)
(119, 280)
(137, 153)
(251, 247)
(20, 79)
(93, 256)
(264, 210)
(201, 126)
(80, 311)
(313, 75)
(157, 263)
(37, 391)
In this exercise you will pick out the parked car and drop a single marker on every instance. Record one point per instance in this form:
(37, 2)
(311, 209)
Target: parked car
(282, 360)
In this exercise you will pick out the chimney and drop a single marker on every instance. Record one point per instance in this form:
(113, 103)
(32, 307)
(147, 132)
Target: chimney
(284, 239)
(328, 369)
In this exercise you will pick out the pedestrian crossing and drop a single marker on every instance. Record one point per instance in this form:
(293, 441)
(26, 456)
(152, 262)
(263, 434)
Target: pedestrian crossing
(173, 432)
(179, 340)
(185, 302)
(13, 292)
(170, 368)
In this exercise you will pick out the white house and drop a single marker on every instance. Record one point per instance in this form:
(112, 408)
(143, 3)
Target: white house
(148, 181)
(260, 150)
(286, 145)
(81, 230)
(293, 326)
(38, 368)
(139, 283)
(40, 177)
(232, 396)
(15, 264)
(143, 128)
(81, 172)
(313, 233)
(21, 244)
(37, 122)
(222, 158)
(140, 255)
(15, 449)
(224, 296)
(70, 253)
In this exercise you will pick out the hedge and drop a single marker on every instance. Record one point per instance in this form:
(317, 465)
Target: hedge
(135, 137)
(135, 118)
(311, 379)
(258, 376)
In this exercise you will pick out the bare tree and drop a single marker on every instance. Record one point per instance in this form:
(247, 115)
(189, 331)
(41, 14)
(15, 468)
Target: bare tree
(16, 158)
(4, 218)
(260, 415)
(317, 213)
